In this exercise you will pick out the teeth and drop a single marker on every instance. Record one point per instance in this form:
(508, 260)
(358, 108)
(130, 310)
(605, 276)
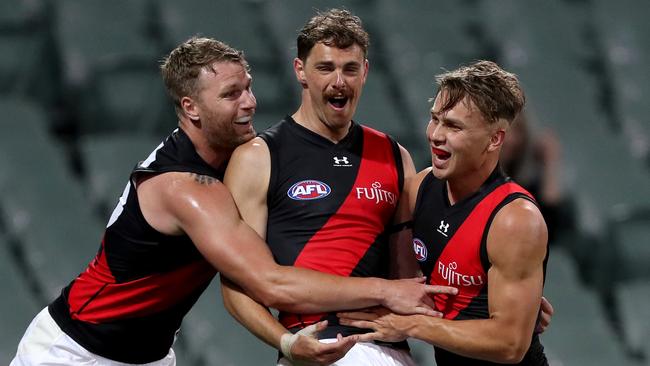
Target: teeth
(244, 119)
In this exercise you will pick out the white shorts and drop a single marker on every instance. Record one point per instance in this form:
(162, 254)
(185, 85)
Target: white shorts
(367, 354)
(44, 343)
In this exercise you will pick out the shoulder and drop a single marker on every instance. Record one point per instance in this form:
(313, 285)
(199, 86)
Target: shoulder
(249, 168)
(170, 200)
(518, 231)
(250, 152)
(412, 187)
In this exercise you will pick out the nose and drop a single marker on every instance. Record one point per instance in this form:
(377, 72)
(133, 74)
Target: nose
(339, 83)
(249, 102)
(435, 133)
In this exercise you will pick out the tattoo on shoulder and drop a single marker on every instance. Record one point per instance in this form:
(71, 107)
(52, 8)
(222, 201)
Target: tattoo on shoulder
(204, 179)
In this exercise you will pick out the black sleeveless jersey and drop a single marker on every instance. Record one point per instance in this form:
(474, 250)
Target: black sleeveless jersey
(129, 302)
(450, 243)
(329, 205)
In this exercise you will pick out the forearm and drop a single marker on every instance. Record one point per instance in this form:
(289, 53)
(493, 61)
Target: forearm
(300, 290)
(486, 339)
(253, 316)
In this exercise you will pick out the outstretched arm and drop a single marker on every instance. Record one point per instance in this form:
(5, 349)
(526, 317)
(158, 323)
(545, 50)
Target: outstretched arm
(516, 249)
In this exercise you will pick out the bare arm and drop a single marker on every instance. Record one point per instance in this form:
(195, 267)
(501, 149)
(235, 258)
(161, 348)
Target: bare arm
(403, 263)
(516, 249)
(250, 194)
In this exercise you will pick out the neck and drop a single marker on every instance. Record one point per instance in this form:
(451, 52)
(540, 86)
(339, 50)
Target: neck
(463, 187)
(216, 158)
(308, 118)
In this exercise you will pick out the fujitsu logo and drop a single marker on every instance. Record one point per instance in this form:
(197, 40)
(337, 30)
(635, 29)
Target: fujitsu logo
(454, 278)
(375, 193)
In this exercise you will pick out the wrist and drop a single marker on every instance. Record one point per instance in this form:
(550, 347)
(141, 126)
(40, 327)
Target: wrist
(286, 342)
(379, 292)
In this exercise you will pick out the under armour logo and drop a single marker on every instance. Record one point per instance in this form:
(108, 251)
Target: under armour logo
(342, 161)
(442, 229)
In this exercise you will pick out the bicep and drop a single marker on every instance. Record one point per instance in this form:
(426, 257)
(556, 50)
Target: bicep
(208, 215)
(516, 249)
(247, 178)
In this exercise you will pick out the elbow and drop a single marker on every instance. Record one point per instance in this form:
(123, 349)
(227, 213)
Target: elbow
(268, 289)
(512, 351)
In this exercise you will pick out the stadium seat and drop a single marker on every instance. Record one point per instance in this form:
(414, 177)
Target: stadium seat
(109, 56)
(232, 22)
(579, 333)
(24, 43)
(629, 235)
(631, 297)
(127, 98)
(213, 337)
(42, 204)
(107, 161)
(626, 47)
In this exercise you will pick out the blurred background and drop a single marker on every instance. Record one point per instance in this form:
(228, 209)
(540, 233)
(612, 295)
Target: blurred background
(82, 101)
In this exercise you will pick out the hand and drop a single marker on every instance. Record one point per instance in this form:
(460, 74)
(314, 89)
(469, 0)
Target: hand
(545, 315)
(385, 325)
(412, 296)
(307, 350)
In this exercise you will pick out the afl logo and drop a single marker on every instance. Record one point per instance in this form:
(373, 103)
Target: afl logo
(420, 250)
(308, 190)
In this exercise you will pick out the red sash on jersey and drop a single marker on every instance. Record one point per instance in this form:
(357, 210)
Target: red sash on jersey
(460, 261)
(331, 252)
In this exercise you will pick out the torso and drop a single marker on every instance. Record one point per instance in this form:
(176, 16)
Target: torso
(449, 242)
(129, 302)
(329, 204)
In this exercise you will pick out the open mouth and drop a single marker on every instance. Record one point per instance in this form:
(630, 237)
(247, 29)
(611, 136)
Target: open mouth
(440, 154)
(244, 120)
(338, 102)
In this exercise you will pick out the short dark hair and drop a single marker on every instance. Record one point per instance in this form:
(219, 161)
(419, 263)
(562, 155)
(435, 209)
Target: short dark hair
(495, 92)
(334, 27)
(180, 69)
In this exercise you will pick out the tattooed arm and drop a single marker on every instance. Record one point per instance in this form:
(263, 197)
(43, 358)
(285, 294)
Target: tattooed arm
(182, 203)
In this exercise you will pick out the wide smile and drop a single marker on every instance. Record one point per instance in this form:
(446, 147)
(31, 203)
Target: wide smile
(338, 102)
(243, 121)
(440, 154)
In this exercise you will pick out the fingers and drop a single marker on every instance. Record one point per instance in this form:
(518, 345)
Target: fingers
(545, 314)
(421, 310)
(364, 324)
(314, 329)
(547, 307)
(368, 337)
(435, 289)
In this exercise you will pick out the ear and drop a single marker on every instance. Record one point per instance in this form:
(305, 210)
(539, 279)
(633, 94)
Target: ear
(299, 69)
(497, 138)
(190, 108)
(366, 67)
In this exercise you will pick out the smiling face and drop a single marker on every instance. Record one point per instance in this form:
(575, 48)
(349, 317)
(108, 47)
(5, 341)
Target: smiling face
(332, 80)
(463, 143)
(225, 105)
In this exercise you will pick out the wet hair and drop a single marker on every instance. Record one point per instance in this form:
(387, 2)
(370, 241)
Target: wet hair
(181, 68)
(495, 92)
(334, 27)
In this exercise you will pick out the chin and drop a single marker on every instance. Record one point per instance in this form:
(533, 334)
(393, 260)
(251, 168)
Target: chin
(439, 173)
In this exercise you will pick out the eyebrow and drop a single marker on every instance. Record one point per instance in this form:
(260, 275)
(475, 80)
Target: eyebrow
(447, 119)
